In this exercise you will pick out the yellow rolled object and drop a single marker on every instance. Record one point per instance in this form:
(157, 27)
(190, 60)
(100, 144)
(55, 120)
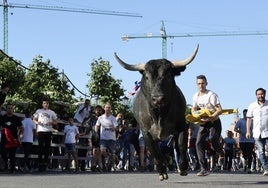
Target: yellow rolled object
(229, 111)
(202, 113)
(196, 118)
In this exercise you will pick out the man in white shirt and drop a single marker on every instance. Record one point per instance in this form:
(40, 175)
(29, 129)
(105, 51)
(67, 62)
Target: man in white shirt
(82, 112)
(211, 129)
(107, 124)
(29, 131)
(258, 113)
(44, 118)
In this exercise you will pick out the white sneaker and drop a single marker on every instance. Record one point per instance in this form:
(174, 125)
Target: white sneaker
(265, 173)
(203, 173)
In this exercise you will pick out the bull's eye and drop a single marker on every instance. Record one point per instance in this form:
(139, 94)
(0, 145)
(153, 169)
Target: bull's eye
(145, 76)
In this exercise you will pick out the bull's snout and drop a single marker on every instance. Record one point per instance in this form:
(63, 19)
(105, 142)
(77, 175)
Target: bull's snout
(158, 100)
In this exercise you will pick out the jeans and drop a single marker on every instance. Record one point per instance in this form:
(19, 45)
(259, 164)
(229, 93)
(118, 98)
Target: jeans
(247, 151)
(260, 143)
(212, 132)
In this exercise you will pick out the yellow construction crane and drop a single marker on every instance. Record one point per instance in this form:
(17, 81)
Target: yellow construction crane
(165, 36)
(5, 6)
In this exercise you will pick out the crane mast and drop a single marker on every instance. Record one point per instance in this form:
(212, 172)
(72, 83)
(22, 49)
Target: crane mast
(5, 6)
(5, 28)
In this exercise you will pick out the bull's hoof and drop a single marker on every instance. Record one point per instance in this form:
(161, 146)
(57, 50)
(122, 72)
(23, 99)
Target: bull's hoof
(163, 177)
(183, 172)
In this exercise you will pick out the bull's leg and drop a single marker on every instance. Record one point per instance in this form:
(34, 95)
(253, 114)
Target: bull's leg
(182, 152)
(153, 146)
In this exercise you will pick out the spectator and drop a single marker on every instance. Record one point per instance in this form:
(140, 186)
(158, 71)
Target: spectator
(96, 162)
(82, 112)
(229, 148)
(193, 130)
(44, 118)
(29, 130)
(246, 145)
(107, 124)
(11, 126)
(70, 138)
(138, 144)
(257, 113)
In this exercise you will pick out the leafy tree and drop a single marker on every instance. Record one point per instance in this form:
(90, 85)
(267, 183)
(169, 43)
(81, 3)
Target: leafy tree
(44, 80)
(104, 86)
(11, 73)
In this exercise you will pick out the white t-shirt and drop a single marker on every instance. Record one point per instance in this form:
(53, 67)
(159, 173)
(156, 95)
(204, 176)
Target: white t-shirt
(81, 116)
(28, 127)
(260, 119)
(106, 123)
(206, 101)
(70, 132)
(44, 116)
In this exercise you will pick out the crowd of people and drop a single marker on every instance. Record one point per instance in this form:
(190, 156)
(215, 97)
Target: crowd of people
(117, 144)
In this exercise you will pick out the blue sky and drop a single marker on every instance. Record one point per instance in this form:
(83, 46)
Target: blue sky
(235, 66)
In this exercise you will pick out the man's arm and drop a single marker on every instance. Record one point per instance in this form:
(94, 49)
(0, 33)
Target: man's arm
(249, 122)
(216, 114)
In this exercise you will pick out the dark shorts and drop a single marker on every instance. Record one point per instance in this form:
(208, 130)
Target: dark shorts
(109, 145)
(70, 147)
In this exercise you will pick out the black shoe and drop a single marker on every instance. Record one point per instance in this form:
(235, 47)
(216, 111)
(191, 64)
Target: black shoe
(130, 169)
(93, 168)
(99, 169)
(11, 171)
(82, 169)
(42, 168)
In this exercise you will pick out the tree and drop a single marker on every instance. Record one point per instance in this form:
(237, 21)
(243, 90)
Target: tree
(104, 86)
(11, 73)
(44, 80)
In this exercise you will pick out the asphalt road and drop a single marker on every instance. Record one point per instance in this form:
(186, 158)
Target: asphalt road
(131, 180)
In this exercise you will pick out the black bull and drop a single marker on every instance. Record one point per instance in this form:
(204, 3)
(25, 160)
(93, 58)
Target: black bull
(159, 108)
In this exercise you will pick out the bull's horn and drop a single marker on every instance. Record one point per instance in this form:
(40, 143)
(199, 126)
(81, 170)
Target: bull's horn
(138, 67)
(180, 63)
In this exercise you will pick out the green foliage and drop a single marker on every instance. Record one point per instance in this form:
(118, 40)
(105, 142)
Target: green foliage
(188, 109)
(11, 73)
(29, 87)
(44, 81)
(103, 85)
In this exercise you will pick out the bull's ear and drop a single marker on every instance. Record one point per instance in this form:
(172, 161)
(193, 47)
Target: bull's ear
(177, 71)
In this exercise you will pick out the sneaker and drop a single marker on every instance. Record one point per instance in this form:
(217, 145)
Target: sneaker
(93, 168)
(203, 173)
(99, 169)
(21, 169)
(265, 173)
(183, 172)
